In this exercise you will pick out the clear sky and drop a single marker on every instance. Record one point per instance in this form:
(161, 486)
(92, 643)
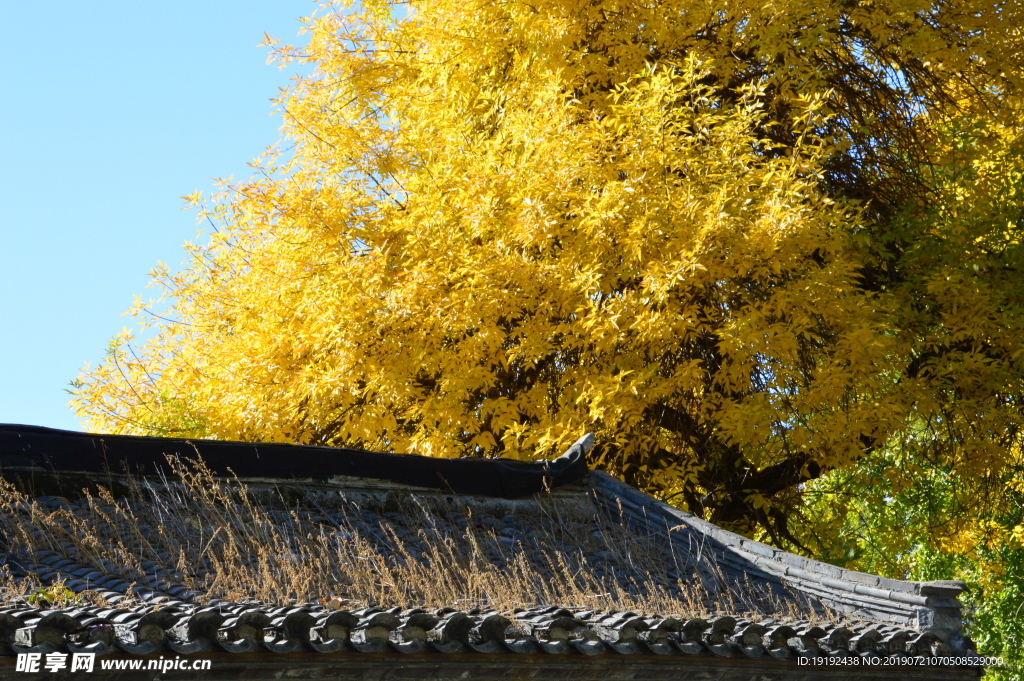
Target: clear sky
(110, 112)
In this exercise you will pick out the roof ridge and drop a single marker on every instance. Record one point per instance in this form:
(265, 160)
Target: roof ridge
(37, 448)
(926, 606)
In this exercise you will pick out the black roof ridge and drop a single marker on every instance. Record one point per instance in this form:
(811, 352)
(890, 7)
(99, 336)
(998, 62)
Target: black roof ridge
(38, 448)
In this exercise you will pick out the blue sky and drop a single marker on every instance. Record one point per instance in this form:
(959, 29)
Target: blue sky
(111, 112)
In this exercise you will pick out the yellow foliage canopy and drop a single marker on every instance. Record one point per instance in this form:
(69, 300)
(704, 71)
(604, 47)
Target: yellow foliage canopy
(500, 225)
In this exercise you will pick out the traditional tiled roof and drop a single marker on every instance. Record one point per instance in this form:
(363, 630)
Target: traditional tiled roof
(245, 628)
(727, 597)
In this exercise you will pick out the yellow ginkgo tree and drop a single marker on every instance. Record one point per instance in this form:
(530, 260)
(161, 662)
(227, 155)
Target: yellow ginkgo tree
(697, 229)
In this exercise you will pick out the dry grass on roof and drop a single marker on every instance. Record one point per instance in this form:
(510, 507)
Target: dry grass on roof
(214, 538)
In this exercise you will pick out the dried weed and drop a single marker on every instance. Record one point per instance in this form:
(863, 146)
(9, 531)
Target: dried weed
(212, 537)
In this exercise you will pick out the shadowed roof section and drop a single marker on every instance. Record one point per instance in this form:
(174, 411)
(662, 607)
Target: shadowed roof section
(49, 449)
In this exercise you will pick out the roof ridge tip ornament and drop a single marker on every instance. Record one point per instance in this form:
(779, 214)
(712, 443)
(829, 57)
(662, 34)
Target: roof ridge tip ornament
(576, 451)
(570, 466)
(943, 588)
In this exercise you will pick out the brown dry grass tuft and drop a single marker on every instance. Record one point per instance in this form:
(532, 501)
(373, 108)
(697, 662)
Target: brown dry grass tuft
(213, 537)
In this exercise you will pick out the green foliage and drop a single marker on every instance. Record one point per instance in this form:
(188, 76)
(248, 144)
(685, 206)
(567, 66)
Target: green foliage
(54, 596)
(902, 514)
